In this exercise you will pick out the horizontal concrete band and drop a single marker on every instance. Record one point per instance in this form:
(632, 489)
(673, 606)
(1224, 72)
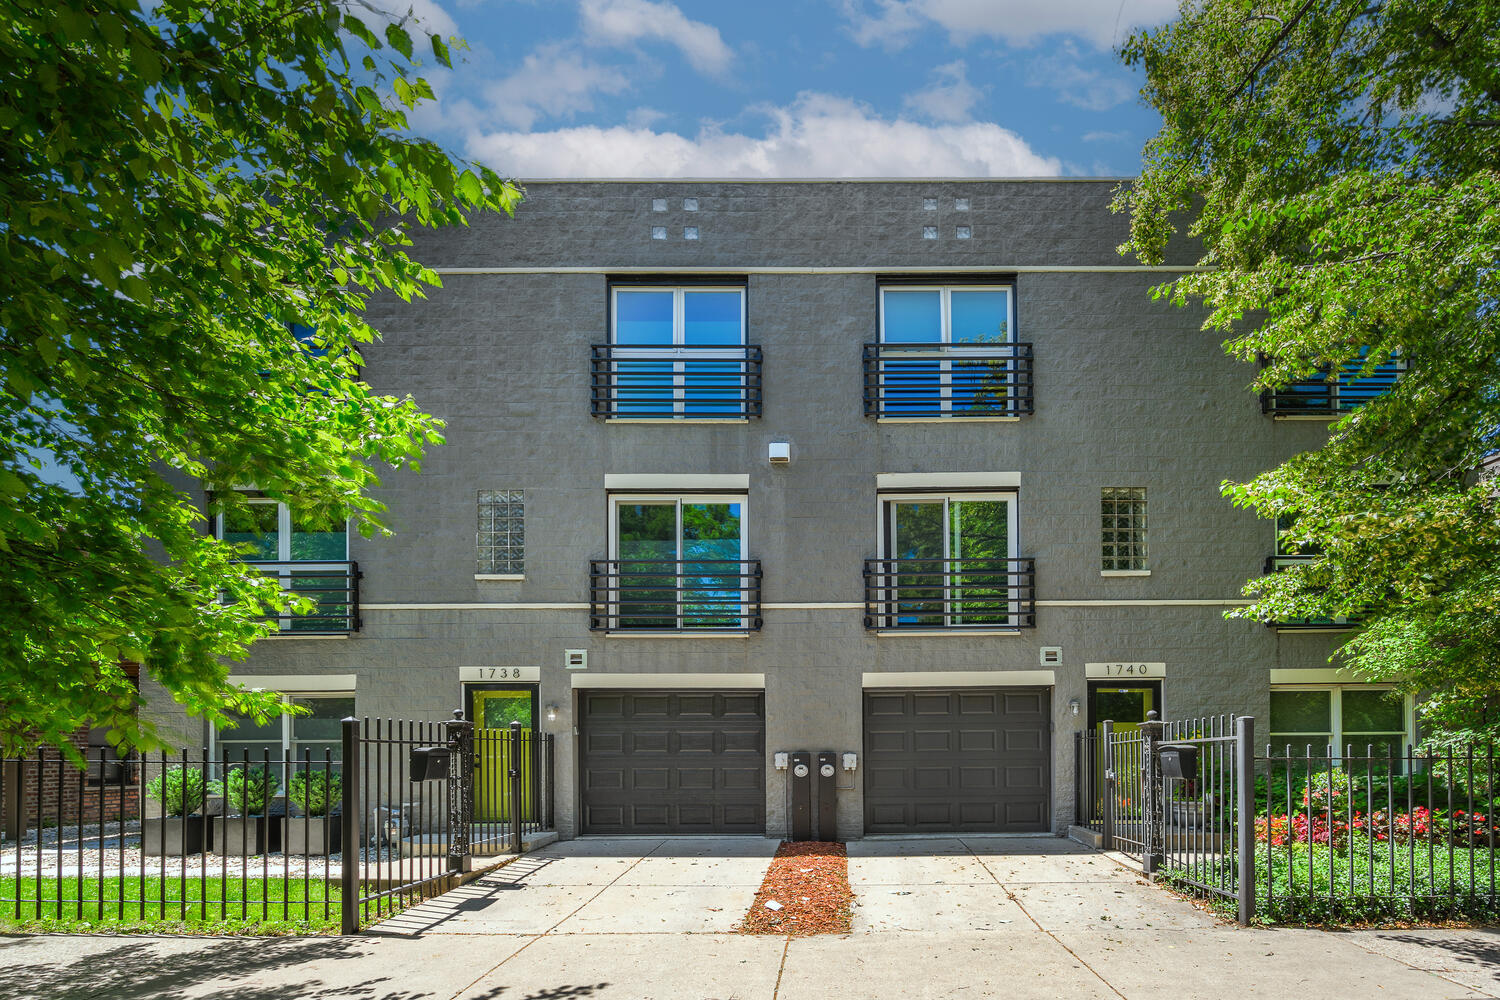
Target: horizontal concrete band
(790, 605)
(754, 682)
(676, 481)
(888, 269)
(950, 480)
(959, 678)
(295, 683)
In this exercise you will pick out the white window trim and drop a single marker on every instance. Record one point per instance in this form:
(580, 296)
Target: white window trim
(945, 332)
(1336, 715)
(616, 499)
(678, 348)
(1012, 532)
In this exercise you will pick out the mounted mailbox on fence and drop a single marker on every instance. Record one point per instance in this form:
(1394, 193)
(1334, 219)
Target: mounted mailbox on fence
(429, 763)
(1179, 760)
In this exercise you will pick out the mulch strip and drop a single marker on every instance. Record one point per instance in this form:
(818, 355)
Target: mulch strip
(809, 880)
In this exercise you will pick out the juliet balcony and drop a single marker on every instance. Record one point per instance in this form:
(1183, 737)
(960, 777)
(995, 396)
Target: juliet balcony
(950, 595)
(1276, 564)
(333, 588)
(1331, 395)
(693, 596)
(931, 381)
(651, 383)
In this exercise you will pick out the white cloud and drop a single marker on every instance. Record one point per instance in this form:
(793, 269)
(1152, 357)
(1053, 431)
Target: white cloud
(553, 80)
(949, 98)
(818, 135)
(429, 13)
(623, 22)
(1105, 136)
(643, 117)
(1062, 72)
(1103, 23)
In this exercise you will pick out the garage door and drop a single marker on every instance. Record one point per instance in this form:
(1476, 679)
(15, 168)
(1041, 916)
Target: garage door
(953, 761)
(674, 761)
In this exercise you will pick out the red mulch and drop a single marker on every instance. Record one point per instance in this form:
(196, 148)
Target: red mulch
(810, 879)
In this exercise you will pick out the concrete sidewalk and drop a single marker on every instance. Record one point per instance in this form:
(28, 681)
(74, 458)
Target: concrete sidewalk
(961, 918)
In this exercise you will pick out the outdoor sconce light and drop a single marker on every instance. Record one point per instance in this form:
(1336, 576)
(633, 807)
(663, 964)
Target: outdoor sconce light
(1073, 706)
(552, 713)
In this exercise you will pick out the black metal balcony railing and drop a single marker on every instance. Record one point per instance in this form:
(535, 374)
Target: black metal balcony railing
(1275, 564)
(675, 383)
(922, 381)
(674, 595)
(1325, 397)
(333, 587)
(950, 594)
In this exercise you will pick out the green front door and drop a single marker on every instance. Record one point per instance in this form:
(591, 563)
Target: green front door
(494, 711)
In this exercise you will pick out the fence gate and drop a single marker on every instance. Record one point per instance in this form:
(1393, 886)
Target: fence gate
(1179, 797)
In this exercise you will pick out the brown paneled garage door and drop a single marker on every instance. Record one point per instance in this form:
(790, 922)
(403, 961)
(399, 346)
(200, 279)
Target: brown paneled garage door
(677, 762)
(974, 760)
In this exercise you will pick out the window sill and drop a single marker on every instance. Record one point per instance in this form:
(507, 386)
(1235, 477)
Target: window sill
(947, 420)
(1124, 572)
(676, 421)
(500, 576)
(628, 634)
(296, 635)
(954, 632)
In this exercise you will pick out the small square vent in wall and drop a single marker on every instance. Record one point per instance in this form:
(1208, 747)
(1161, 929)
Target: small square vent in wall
(576, 659)
(1051, 656)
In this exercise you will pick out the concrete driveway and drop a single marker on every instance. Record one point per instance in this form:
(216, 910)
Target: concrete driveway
(969, 917)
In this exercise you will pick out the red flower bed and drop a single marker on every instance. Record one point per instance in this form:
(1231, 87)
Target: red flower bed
(1460, 829)
(808, 882)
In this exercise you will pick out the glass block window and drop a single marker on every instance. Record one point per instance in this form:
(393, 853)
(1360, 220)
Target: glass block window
(502, 531)
(1122, 512)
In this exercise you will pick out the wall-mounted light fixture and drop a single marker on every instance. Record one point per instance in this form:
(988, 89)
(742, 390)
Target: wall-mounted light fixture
(1073, 706)
(552, 713)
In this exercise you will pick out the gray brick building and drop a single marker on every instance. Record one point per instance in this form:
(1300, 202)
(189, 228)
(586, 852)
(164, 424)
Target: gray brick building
(913, 470)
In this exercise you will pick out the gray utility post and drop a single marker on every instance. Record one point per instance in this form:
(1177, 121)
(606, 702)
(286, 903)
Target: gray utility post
(1107, 826)
(351, 828)
(1244, 814)
(1153, 854)
(460, 791)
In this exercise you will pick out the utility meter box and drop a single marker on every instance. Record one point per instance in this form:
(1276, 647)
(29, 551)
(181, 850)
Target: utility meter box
(1179, 760)
(828, 770)
(801, 777)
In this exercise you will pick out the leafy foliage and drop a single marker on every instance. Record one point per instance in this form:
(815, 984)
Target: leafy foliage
(180, 789)
(1339, 163)
(179, 185)
(247, 788)
(315, 791)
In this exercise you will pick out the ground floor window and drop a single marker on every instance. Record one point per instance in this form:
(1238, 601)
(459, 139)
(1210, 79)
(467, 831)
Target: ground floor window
(298, 736)
(1340, 715)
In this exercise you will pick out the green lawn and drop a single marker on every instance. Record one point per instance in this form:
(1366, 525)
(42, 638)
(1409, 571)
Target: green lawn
(211, 906)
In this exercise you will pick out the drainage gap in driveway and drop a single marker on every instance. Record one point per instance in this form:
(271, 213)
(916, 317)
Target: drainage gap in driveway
(805, 891)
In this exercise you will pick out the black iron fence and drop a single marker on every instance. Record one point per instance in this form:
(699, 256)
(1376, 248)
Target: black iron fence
(950, 594)
(926, 381)
(641, 382)
(1301, 834)
(314, 839)
(674, 595)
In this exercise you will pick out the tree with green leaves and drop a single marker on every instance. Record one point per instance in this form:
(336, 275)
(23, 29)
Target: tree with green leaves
(183, 185)
(1340, 163)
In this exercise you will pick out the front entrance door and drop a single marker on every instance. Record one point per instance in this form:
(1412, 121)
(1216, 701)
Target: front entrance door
(1124, 704)
(493, 710)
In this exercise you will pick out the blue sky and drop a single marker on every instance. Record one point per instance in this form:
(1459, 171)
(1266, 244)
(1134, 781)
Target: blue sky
(613, 88)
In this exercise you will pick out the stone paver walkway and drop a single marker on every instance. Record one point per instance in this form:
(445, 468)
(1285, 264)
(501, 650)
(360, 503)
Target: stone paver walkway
(970, 917)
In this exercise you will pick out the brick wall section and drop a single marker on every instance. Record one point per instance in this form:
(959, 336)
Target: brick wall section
(54, 793)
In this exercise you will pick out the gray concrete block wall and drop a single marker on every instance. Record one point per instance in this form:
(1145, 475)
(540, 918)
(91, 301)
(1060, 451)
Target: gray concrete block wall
(1129, 392)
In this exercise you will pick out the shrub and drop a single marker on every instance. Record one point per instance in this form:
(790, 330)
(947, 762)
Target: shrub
(248, 789)
(180, 790)
(315, 792)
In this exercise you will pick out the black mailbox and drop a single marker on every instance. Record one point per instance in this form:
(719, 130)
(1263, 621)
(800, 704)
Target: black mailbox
(1179, 760)
(429, 763)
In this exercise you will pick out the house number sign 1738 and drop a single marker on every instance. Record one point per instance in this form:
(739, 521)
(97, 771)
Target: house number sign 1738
(499, 673)
(1123, 668)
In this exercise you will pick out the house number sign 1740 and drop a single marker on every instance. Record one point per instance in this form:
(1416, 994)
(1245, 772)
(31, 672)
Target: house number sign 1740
(1123, 668)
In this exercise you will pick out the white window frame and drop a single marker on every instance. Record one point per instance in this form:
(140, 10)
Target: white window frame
(678, 351)
(1336, 717)
(287, 565)
(885, 531)
(945, 350)
(617, 499)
